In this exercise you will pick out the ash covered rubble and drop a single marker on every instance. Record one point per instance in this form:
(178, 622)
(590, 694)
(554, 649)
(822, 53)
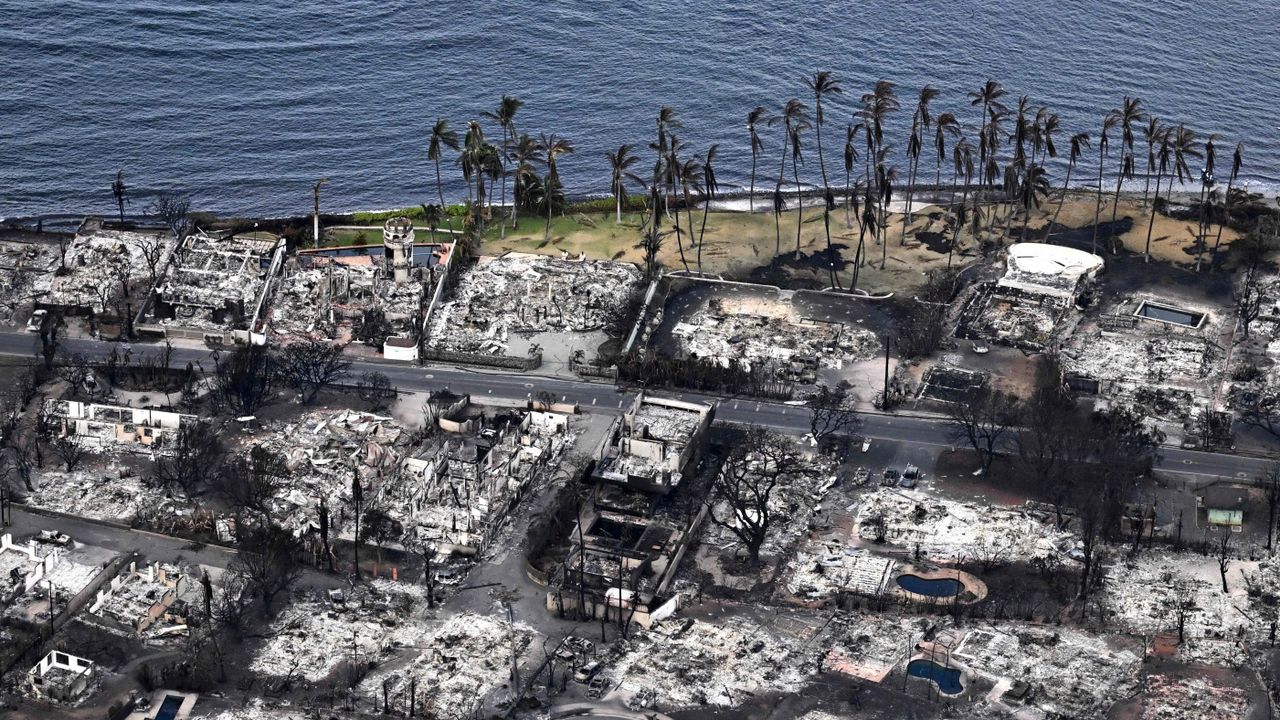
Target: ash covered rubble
(696, 664)
(100, 264)
(945, 530)
(1141, 351)
(23, 266)
(765, 331)
(1034, 304)
(461, 665)
(323, 450)
(502, 304)
(319, 633)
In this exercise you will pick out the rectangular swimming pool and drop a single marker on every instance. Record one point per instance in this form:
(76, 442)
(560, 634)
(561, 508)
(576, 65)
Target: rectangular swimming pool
(1165, 313)
(169, 708)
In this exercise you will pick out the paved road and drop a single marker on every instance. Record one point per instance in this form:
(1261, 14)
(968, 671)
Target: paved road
(595, 396)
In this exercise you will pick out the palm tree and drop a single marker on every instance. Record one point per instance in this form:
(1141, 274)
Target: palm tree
(921, 121)
(620, 163)
(988, 96)
(754, 120)
(121, 193)
(488, 165)
(1129, 114)
(1048, 124)
(710, 186)
(793, 115)
(886, 176)
(822, 83)
(1104, 144)
(690, 178)
(432, 214)
(668, 172)
(1237, 160)
(668, 119)
(505, 115)
(525, 156)
(876, 107)
(441, 137)
(850, 157)
(552, 147)
(1206, 196)
(469, 160)
(1161, 136)
(1035, 185)
(962, 156)
(945, 125)
(797, 157)
(1150, 133)
(1079, 143)
(1180, 143)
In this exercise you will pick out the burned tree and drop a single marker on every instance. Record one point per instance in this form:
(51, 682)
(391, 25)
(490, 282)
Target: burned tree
(831, 412)
(375, 389)
(310, 366)
(68, 449)
(244, 378)
(121, 193)
(175, 212)
(1269, 481)
(193, 458)
(739, 500)
(50, 329)
(269, 560)
(1048, 435)
(248, 485)
(152, 248)
(983, 421)
(1224, 556)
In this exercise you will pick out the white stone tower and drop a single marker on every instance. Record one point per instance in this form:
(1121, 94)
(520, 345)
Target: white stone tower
(397, 242)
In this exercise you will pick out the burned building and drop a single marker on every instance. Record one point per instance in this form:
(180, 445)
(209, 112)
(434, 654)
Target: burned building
(99, 426)
(505, 306)
(139, 599)
(214, 286)
(376, 294)
(1033, 305)
(633, 530)
(61, 677)
(24, 265)
(106, 271)
(458, 487)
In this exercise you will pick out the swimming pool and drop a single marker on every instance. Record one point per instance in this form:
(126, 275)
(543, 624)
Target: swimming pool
(169, 708)
(1165, 313)
(947, 679)
(940, 587)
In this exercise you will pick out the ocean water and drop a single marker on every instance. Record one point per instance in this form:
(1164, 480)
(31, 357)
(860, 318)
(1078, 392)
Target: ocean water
(242, 105)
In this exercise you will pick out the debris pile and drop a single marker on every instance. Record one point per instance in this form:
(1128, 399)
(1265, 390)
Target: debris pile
(101, 264)
(1171, 697)
(22, 265)
(761, 331)
(334, 297)
(825, 568)
(526, 294)
(946, 530)
(463, 661)
(697, 664)
(310, 638)
(111, 492)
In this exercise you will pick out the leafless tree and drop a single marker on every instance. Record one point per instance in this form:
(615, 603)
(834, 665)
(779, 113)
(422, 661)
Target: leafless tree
(1049, 434)
(375, 389)
(983, 421)
(191, 458)
(1182, 603)
(831, 412)
(269, 560)
(175, 212)
(1269, 481)
(70, 450)
(152, 248)
(1249, 297)
(249, 484)
(50, 337)
(739, 500)
(121, 193)
(1224, 555)
(310, 366)
(244, 378)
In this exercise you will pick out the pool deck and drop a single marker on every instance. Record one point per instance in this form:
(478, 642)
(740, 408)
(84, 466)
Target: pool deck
(157, 700)
(974, 589)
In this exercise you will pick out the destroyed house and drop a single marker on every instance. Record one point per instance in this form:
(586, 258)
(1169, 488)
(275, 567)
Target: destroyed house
(656, 444)
(457, 488)
(136, 600)
(60, 677)
(23, 566)
(214, 284)
(100, 265)
(1053, 274)
(103, 425)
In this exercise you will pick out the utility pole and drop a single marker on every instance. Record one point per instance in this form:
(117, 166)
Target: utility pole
(315, 196)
